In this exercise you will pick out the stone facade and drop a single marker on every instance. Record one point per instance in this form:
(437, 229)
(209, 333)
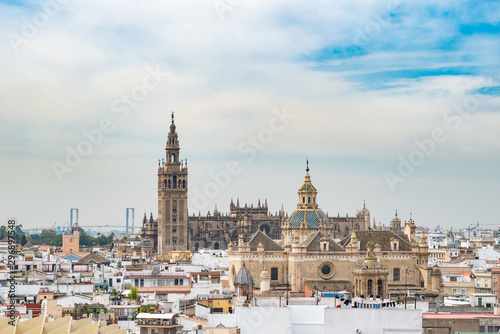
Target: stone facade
(174, 230)
(308, 255)
(172, 198)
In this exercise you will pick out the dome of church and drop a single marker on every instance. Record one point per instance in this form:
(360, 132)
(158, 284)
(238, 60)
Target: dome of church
(243, 278)
(308, 214)
(311, 218)
(307, 186)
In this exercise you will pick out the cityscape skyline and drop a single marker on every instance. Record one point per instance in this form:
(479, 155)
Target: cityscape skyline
(395, 104)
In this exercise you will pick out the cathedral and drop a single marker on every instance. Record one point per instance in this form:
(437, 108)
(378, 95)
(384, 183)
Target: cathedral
(176, 230)
(308, 256)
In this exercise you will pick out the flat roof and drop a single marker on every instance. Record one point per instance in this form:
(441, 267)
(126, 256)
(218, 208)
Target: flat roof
(458, 315)
(155, 315)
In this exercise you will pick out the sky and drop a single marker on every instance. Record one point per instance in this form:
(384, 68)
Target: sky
(394, 103)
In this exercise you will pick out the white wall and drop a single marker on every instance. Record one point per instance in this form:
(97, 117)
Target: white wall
(308, 319)
(256, 320)
(374, 321)
(264, 320)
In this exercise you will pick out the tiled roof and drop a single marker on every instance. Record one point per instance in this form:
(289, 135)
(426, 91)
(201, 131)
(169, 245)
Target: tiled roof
(383, 238)
(307, 186)
(94, 257)
(313, 243)
(313, 218)
(261, 238)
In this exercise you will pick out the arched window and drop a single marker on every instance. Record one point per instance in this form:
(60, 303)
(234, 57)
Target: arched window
(196, 246)
(380, 292)
(369, 287)
(216, 245)
(174, 181)
(183, 183)
(309, 200)
(303, 199)
(172, 157)
(169, 184)
(164, 183)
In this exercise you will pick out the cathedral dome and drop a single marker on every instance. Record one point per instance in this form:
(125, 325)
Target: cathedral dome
(308, 214)
(312, 218)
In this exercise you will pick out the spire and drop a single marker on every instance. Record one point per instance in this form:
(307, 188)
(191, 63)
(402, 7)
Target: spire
(307, 166)
(396, 213)
(265, 203)
(172, 117)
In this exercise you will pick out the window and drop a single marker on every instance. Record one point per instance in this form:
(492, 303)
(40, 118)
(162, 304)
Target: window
(309, 200)
(495, 280)
(453, 291)
(183, 183)
(174, 181)
(274, 274)
(176, 281)
(303, 199)
(326, 269)
(396, 274)
(463, 291)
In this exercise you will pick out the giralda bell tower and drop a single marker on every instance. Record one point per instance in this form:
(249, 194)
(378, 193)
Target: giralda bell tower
(172, 198)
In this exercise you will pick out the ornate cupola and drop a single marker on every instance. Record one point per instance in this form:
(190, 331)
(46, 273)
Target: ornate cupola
(307, 193)
(308, 218)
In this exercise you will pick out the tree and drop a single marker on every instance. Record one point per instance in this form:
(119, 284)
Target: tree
(85, 239)
(111, 237)
(102, 240)
(3, 232)
(19, 234)
(56, 241)
(133, 293)
(47, 236)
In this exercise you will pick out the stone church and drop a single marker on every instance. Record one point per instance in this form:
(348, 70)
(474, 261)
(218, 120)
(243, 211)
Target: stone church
(368, 261)
(176, 230)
